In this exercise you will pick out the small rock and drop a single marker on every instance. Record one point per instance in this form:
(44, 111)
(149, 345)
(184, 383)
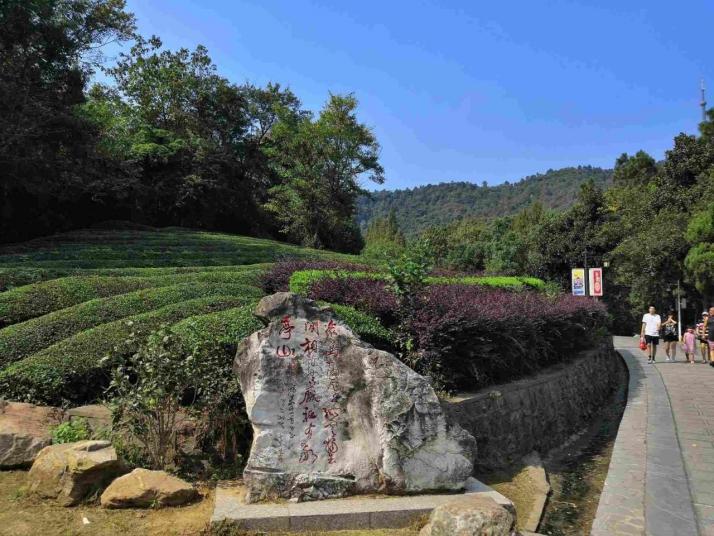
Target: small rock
(25, 429)
(71, 472)
(98, 416)
(143, 488)
(470, 516)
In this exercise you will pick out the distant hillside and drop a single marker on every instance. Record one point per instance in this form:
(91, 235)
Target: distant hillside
(424, 206)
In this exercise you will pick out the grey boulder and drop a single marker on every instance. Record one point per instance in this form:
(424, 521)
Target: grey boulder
(333, 416)
(470, 516)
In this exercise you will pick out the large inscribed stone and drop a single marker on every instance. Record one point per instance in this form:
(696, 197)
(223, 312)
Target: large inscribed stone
(333, 416)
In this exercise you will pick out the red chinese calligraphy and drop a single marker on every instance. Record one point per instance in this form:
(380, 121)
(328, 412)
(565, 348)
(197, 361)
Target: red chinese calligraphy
(331, 446)
(284, 351)
(308, 414)
(309, 429)
(286, 328)
(331, 329)
(309, 347)
(331, 415)
(312, 327)
(307, 454)
(309, 396)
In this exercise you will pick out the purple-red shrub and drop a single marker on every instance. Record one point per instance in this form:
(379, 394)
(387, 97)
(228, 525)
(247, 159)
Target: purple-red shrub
(278, 277)
(467, 337)
(367, 295)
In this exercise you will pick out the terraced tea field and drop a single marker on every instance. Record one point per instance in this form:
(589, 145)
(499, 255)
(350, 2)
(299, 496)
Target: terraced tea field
(67, 301)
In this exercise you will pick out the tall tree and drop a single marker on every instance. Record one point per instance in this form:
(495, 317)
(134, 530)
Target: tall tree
(320, 163)
(48, 50)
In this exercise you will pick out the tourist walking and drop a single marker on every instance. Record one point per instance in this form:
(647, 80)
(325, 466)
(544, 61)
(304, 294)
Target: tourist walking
(651, 324)
(670, 337)
(702, 337)
(709, 328)
(689, 344)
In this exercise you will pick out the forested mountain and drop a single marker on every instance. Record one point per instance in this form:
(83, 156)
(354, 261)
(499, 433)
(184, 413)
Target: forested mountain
(425, 206)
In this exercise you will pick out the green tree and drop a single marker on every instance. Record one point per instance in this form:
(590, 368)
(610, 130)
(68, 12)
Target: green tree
(699, 261)
(48, 50)
(320, 163)
(383, 238)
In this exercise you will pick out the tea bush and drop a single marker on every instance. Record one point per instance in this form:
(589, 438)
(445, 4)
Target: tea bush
(20, 340)
(73, 371)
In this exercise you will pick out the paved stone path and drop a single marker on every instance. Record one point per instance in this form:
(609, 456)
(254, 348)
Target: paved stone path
(661, 477)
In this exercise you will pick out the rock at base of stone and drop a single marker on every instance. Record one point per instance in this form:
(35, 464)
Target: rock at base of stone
(143, 488)
(333, 416)
(72, 472)
(25, 429)
(470, 516)
(97, 416)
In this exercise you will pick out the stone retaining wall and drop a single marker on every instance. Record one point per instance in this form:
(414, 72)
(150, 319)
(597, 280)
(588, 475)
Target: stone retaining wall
(539, 413)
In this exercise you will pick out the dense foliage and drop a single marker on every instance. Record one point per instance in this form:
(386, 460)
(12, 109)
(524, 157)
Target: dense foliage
(168, 141)
(416, 209)
(653, 226)
(468, 337)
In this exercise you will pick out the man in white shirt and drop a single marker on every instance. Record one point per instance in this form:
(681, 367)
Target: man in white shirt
(651, 323)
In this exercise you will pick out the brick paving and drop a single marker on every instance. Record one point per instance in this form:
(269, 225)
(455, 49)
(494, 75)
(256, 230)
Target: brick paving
(661, 476)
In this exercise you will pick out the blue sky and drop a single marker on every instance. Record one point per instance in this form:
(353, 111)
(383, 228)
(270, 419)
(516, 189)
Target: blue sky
(473, 90)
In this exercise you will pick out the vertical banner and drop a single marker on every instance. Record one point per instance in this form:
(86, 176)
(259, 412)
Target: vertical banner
(578, 282)
(595, 281)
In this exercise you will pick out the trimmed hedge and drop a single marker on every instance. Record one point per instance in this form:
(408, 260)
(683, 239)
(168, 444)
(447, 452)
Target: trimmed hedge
(20, 340)
(16, 277)
(74, 370)
(136, 248)
(302, 280)
(365, 326)
(227, 327)
(468, 337)
(31, 301)
(231, 326)
(38, 299)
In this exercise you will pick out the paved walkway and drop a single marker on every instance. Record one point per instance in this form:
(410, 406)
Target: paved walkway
(661, 476)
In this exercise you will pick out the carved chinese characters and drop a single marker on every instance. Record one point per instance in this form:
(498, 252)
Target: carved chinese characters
(333, 416)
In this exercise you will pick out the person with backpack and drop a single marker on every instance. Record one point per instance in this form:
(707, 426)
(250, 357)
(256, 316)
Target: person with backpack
(670, 337)
(702, 337)
(651, 324)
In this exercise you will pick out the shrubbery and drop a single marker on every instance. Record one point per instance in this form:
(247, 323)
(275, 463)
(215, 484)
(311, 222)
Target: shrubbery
(73, 371)
(20, 340)
(468, 337)
(42, 298)
(166, 379)
(30, 301)
(302, 281)
(277, 278)
(372, 296)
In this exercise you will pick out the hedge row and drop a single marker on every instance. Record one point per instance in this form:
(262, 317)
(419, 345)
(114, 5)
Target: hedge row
(74, 371)
(366, 327)
(41, 298)
(301, 281)
(30, 301)
(231, 326)
(469, 337)
(20, 340)
(227, 327)
(15, 277)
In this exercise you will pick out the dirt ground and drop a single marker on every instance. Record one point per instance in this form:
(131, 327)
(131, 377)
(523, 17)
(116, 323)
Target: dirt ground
(517, 486)
(23, 515)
